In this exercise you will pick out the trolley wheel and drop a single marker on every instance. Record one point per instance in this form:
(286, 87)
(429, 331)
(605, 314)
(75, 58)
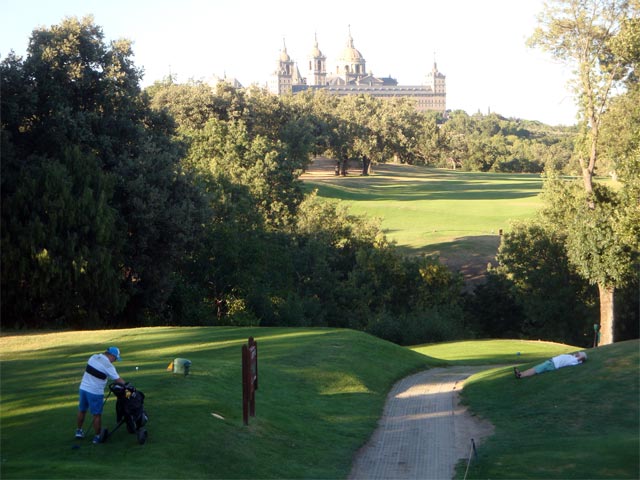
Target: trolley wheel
(142, 436)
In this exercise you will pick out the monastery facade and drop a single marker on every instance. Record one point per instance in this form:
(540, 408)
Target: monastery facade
(350, 77)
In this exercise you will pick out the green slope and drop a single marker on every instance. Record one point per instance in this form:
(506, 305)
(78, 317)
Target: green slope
(320, 395)
(575, 423)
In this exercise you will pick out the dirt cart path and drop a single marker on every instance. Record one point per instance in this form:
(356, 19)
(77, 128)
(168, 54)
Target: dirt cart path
(423, 431)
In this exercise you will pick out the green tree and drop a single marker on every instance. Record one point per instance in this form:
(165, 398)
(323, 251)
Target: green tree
(583, 34)
(59, 244)
(190, 105)
(554, 298)
(599, 246)
(431, 143)
(74, 93)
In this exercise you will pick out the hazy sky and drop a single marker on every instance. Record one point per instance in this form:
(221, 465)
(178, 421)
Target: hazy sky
(478, 44)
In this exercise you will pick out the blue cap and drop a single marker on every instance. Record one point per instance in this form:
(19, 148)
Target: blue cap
(115, 351)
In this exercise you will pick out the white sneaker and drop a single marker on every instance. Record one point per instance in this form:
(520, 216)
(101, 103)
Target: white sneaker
(79, 433)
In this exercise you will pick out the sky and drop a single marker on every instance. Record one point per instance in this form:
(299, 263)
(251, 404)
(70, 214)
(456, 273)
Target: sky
(479, 45)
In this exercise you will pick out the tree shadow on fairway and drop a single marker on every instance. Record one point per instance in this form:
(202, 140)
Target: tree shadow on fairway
(391, 182)
(467, 255)
(391, 189)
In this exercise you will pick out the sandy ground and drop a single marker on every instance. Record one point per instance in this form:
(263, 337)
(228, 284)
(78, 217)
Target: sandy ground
(423, 431)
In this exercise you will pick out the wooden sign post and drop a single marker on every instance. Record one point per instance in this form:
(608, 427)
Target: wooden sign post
(249, 379)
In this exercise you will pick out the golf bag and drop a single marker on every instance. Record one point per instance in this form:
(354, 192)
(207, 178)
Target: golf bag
(130, 410)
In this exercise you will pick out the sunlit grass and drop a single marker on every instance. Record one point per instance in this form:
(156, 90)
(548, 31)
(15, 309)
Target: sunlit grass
(491, 352)
(320, 396)
(427, 210)
(575, 423)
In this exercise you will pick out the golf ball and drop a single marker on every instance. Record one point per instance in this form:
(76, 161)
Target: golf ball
(136, 368)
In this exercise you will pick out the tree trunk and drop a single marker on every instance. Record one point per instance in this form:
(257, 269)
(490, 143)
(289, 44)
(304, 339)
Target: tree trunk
(587, 179)
(366, 165)
(606, 314)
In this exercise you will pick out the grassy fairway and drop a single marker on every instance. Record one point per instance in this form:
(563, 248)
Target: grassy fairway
(423, 207)
(456, 215)
(320, 395)
(578, 422)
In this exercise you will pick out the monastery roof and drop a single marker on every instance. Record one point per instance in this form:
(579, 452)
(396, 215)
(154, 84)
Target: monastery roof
(373, 90)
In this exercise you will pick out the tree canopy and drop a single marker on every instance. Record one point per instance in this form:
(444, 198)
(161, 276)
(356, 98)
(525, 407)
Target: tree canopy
(599, 38)
(94, 202)
(181, 204)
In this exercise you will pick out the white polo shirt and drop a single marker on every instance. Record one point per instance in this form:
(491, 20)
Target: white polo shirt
(93, 384)
(565, 360)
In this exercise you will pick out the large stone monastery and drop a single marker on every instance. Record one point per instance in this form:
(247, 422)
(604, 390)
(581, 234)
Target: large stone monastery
(350, 77)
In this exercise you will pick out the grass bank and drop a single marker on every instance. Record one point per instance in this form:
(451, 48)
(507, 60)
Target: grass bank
(492, 352)
(575, 423)
(320, 395)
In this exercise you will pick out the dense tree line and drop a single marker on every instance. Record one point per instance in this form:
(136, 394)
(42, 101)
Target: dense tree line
(492, 143)
(182, 205)
(96, 210)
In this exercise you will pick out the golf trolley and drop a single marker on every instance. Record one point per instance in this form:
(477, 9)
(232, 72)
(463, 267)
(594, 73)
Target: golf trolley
(129, 410)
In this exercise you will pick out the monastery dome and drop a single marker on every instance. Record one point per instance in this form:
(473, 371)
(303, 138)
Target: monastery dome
(350, 53)
(315, 51)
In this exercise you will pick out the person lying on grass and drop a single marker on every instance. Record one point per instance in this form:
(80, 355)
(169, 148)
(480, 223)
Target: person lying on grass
(564, 360)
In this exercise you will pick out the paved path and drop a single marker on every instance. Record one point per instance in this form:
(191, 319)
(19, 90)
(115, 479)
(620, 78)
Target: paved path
(423, 431)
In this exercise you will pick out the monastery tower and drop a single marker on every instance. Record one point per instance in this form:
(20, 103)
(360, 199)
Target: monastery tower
(351, 78)
(317, 66)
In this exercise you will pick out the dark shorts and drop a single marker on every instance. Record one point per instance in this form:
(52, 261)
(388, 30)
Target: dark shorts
(90, 401)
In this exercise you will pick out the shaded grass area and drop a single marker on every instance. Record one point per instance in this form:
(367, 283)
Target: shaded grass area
(575, 423)
(321, 392)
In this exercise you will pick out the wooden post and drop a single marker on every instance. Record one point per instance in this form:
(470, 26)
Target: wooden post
(249, 379)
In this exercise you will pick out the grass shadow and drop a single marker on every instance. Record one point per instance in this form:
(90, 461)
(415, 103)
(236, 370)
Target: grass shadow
(468, 255)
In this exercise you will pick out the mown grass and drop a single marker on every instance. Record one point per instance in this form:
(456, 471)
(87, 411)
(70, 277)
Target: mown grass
(437, 211)
(320, 395)
(492, 352)
(575, 423)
